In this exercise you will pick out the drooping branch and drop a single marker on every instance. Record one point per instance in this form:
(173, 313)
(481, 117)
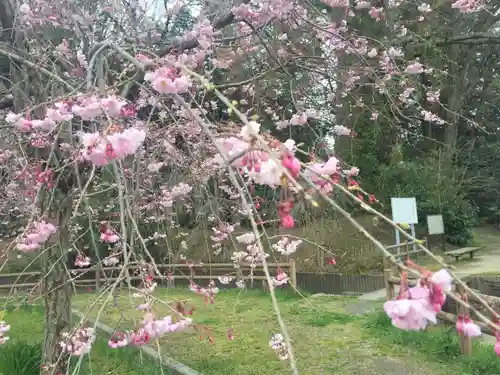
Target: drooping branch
(37, 67)
(179, 46)
(475, 39)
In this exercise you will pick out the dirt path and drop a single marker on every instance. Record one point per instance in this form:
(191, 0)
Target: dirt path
(355, 351)
(487, 260)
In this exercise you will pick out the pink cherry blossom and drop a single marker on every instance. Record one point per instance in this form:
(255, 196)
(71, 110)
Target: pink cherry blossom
(82, 261)
(415, 68)
(36, 235)
(443, 279)
(497, 344)
(287, 222)
(109, 236)
(4, 328)
(410, 314)
(470, 328)
(299, 119)
(291, 163)
(79, 343)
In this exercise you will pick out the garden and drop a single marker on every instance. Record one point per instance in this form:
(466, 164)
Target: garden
(328, 336)
(167, 169)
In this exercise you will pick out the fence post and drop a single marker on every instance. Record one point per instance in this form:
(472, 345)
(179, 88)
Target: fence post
(389, 287)
(293, 273)
(465, 341)
(251, 278)
(98, 277)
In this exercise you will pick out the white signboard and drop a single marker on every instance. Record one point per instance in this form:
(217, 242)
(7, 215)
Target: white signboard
(404, 210)
(435, 224)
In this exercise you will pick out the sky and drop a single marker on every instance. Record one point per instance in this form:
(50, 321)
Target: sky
(156, 8)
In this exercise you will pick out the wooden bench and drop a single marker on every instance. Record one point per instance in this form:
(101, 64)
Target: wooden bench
(461, 252)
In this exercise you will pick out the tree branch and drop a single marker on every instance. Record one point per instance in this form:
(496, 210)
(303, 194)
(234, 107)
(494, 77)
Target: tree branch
(179, 46)
(479, 38)
(37, 67)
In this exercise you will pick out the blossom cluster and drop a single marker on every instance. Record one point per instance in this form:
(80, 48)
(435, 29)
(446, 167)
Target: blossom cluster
(277, 343)
(208, 293)
(82, 261)
(108, 234)
(151, 328)
(225, 280)
(79, 343)
(178, 192)
(416, 307)
(4, 328)
(251, 254)
(281, 278)
(145, 291)
(167, 81)
(37, 234)
(286, 246)
(221, 233)
(100, 148)
(465, 326)
(275, 164)
(84, 106)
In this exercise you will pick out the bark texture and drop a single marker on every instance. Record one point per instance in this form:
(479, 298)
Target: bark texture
(57, 293)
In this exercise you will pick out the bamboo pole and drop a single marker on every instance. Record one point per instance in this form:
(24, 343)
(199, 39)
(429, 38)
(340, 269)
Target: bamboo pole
(491, 300)
(389, 287)
(293, 273)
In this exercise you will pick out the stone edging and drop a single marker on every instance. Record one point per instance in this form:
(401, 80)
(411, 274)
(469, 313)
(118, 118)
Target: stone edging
(146, 349)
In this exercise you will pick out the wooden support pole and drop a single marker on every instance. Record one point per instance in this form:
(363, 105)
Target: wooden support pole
(465, 341)
(251, 278)
(389, 287)
(465, 345)
(98, 277)
(293, 273)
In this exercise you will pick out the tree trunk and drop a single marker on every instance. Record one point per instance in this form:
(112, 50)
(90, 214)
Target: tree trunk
(57, 293)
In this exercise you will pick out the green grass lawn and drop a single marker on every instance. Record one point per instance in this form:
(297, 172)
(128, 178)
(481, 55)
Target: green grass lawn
(22, 353)
(326, 339)
(438, 344)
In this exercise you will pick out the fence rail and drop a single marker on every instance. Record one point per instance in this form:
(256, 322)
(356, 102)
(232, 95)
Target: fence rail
(335, 283)
(182, 274)
(95, 276)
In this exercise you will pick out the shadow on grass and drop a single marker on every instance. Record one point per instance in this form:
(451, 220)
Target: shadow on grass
(440, 344)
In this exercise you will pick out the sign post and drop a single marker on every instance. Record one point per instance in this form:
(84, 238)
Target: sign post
(435, 226)
(404, 210)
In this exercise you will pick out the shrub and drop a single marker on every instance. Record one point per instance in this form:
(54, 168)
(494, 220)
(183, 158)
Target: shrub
(435, 194)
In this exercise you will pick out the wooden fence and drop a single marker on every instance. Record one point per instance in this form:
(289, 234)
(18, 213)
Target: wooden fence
(182, 274)
(336, 283)
(171, 274)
